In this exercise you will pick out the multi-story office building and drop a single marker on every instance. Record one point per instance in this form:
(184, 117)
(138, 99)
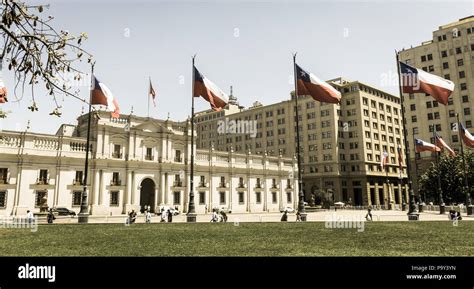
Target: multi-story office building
(135, 163)
(341, 145)
(450, 54)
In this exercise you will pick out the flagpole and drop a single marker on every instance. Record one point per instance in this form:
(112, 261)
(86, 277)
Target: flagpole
(148, 94)
(83, 216)
(412, 215)
(440, 191)
(301, 208)
(420, 206)
(466, 181)
(191, 215)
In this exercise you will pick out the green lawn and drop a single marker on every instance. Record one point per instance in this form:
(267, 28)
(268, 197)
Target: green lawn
(247, 239)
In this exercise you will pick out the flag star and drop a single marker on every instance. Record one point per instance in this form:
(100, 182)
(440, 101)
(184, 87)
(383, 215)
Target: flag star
(303, 73)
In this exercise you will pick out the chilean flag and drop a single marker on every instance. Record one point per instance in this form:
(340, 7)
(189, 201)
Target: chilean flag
(309, 84)
(466, 136)
(209, 91)
(416, 80)
(101, 95)
(421, 146)
(3, 89)
(442, 144)
(384, 160)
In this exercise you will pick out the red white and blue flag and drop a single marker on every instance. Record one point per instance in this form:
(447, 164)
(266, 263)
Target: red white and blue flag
(309, 84)
(466, 136)
(101, 95)
(384, 160)
(442, 144)
(400, 162)
(416, 80)
(209, 91)
(421, 146)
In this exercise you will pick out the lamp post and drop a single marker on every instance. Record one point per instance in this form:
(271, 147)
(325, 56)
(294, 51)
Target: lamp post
(442, 208)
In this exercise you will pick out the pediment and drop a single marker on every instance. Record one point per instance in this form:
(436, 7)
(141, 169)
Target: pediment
(151, 126)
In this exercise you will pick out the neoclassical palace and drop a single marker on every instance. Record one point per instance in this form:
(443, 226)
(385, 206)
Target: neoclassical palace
(136, 163)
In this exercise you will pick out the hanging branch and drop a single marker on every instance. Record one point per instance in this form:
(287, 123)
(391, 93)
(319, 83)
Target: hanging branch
(36, 52)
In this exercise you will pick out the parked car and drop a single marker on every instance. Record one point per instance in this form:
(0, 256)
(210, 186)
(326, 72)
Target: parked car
(287, 209)
(165, 208)
(63, 212)
(223, 209)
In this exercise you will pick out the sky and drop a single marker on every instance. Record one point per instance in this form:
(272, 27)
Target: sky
(246, 44)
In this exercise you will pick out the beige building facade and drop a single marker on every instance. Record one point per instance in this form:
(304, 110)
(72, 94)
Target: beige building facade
(450, 54)
(341, 145)
(136, 163)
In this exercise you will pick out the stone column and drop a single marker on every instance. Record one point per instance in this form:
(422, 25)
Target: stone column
(377, 198)
(95, 186)
(369, 197)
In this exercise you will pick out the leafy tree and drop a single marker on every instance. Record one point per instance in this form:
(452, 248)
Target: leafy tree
(36, 52)
(452, 180)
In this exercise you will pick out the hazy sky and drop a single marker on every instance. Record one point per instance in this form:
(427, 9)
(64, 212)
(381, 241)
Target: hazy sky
(246, 44)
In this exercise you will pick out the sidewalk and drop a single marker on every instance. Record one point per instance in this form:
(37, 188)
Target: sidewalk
(377, 215)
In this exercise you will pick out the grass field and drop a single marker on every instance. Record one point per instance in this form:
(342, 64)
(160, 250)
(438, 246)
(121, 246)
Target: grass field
(247, 239)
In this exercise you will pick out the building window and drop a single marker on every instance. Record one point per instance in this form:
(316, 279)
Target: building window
(274, 184)
(222, 198)
(241, 198)
(463, 86)
(76, 198)
(458, 50)
(115, 179)
(467, 111)
(78, 179)
(202, 198)
(177, 198)
(454, 138)
(222, 183)
(117, 154)
(258, 197)
(274, 197)
(3, 199)
(288, 183)
(465, 98)
(412, 107)
(3, 175)
(202, 181)
(288, 197)
(445, 65)
(177, 157)
(460, 62)
(462, 74)
(241, 182)
(413, 118)
(43, 177)
(444, 53)
(114, 198)
(39, 198)
(468, 124)
(149, 156)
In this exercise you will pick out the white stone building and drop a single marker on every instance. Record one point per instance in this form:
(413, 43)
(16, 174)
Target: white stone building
(136, 162)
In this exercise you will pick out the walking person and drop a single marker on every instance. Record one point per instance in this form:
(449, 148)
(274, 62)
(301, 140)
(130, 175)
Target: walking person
(148, 217)
(369, 213)
(224, 216)
(29, 216)
(214, 217)
(163, 215)
(298, 216)
(51, 216)
(170, 216)
(284, 218)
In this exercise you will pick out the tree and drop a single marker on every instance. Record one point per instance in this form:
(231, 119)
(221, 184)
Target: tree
(36, 52)
(452, 180)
